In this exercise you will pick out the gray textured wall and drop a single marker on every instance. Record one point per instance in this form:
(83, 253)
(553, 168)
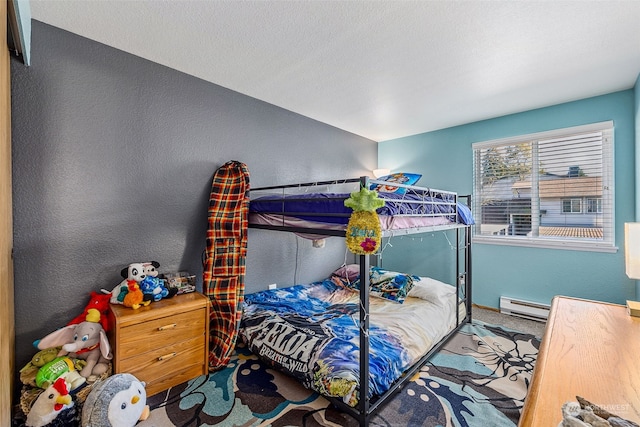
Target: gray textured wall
(113, 157)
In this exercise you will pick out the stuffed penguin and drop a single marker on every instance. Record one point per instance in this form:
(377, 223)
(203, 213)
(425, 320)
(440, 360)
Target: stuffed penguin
(118, 401)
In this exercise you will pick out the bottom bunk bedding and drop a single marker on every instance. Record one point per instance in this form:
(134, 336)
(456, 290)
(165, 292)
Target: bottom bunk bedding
(311, 331)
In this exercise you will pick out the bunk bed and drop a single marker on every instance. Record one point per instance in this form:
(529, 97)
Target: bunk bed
(315, 211)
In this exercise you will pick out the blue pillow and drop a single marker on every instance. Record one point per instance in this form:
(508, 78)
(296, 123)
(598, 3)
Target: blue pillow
(400, 178)
(464, 214)
(390, 284)
(384, 284)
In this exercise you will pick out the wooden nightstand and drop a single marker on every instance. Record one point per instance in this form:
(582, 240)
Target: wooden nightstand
(163, 344)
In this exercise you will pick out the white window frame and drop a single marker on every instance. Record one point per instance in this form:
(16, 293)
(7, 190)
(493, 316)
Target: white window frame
(607, 244)
(598, 203)
(571, 200)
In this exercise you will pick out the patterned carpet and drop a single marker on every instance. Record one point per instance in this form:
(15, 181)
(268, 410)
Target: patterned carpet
(480, 377)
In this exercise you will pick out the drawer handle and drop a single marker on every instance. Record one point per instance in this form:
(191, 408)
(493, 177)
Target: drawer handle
(164, 328)
(167, 356)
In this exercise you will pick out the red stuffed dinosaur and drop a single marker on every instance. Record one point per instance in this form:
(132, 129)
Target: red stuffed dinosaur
(100, 302)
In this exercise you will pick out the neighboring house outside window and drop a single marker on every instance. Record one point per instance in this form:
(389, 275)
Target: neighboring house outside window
(552, 189)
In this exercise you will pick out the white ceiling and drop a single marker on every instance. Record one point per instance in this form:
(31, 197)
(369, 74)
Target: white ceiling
(381, 69)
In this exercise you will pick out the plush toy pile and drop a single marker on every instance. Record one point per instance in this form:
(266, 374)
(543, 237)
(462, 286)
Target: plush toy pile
(141, 286)
(117, 401)
(86, 341)
(60, 374)
(68, 381)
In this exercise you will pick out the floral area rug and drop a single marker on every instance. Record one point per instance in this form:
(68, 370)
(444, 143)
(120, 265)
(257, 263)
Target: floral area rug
(479, 378)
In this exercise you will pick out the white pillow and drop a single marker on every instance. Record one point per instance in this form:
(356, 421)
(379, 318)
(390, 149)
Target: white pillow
(431, 289)
(350, 272)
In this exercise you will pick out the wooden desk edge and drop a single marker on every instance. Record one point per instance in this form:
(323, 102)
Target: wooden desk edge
(527, 416)
(538, 369)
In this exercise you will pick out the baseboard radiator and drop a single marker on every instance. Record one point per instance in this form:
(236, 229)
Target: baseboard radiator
(525, 309)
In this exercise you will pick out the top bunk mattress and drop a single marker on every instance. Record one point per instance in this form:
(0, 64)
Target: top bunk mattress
(411, 208)
(387, 223)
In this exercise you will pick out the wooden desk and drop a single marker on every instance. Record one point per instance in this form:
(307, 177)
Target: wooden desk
(592, 350)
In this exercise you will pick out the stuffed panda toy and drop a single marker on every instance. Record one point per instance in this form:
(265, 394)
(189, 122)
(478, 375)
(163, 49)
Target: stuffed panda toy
(145, 274)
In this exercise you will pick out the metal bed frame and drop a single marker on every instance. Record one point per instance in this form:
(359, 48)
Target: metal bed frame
(368, 406)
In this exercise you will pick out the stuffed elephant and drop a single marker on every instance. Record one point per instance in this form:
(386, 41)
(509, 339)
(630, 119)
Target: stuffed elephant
(86, 340)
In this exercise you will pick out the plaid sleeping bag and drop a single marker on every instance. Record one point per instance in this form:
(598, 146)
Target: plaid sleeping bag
(224, 262)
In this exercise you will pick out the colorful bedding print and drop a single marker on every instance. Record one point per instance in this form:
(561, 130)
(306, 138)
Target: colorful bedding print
(311, 332)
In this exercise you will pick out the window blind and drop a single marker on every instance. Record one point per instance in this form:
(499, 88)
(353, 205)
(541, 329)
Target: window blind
(552, 189)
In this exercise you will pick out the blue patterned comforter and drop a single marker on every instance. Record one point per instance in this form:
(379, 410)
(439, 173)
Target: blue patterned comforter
(311, 332)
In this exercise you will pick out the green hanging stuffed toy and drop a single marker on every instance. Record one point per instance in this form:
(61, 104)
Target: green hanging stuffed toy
(363, 230)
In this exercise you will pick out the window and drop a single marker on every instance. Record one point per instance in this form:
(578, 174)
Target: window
(550, 189)
(594, 205)
(572, 206)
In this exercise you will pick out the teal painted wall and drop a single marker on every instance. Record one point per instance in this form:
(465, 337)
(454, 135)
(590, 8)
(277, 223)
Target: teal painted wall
(444, 158)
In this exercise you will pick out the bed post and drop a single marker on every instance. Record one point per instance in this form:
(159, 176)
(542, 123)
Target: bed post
(468, 283)
(363, 401)
(463, 278)
(459, 276)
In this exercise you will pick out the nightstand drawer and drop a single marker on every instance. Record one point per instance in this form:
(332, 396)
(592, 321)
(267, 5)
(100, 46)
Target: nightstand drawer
(163, 344)
(169, 361)
(160, 383)
(158, 333)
